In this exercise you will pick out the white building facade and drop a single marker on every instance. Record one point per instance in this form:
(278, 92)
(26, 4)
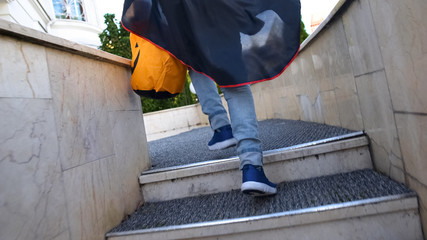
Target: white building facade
(75, 20)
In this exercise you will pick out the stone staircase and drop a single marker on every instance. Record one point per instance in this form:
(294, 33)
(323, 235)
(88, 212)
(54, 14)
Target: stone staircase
(327, 190)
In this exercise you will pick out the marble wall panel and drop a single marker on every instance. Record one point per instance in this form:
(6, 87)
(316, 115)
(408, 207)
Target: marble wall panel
(289, 96)
(204, 119)
(336, 45)
(192, 116)
(72, 142)
(32, 199)
(160, 122)
(131, 151)
(291, 106)
(322, 62)
(402, 35)
(23, 70)
(413, 141)
(292, 91)
(421, 190)
(271, 84)
(118, 92)
(287, 76)
(271, 98)
(304, 76)
(377, 111)
(301, 78)
(330, 108)
(163, 121)
(259, 101)
(81, 107)
(397, 174)
(178, 119)
(94, 198)
(311, 111)
(348, 102)
(277, 98)
(267, 97)
(279, 109)
(343, 77)
(362, 41)
(334, 70)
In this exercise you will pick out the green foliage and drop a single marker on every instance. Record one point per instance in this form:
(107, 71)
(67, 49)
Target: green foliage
(303, 33)
(115, 39)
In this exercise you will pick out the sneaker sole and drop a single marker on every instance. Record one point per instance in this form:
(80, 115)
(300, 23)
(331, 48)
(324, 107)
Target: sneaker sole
(223, 145)
(258, 189)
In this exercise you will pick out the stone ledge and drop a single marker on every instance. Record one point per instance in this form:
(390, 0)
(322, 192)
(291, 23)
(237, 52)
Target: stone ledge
(339, 7)
(33, 36)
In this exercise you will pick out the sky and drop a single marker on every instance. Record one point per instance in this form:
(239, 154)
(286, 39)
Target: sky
(308, 7)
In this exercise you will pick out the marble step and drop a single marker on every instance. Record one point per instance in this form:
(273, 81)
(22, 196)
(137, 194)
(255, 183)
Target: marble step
(340, 154)
(191, 147)
(357, 205)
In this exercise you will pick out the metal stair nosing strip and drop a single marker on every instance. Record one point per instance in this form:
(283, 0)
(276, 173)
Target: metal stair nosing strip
(354, 140)
(327, 213)
(299, 146)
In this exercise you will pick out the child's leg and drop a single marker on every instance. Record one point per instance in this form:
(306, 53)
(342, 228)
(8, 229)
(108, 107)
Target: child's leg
(245, 129)
(244, 124)
(210, 100)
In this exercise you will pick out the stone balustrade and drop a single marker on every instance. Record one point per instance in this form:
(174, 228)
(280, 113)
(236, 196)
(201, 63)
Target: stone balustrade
(364, 68)
(72, 138)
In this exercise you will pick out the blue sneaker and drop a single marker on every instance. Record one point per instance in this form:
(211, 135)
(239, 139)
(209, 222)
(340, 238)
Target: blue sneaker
(222, 139)
(255, 182)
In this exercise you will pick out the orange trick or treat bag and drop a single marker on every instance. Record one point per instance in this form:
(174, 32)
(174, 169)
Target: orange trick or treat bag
(155, 73)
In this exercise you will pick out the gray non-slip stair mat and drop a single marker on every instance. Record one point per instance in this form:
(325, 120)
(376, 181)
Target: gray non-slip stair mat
(191, 147)
(302, 194)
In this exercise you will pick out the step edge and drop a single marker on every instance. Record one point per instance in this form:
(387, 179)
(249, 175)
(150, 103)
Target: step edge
(354, 135)
(412, 203)
(298, 146)
(232, 163)
(350, 143)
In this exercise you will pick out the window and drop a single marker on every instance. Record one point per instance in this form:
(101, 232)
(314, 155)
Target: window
(69, 9)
